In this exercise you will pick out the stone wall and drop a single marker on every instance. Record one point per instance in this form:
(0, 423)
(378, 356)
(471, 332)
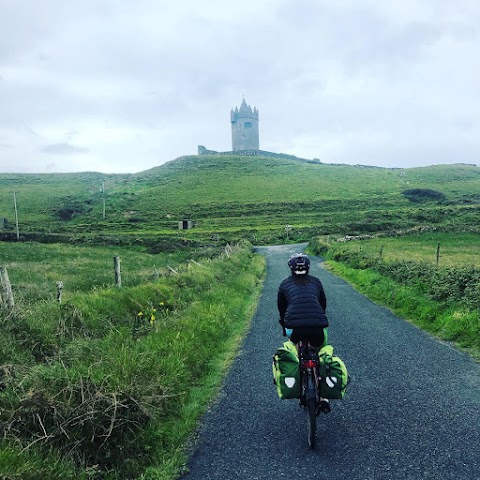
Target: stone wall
(255, 153)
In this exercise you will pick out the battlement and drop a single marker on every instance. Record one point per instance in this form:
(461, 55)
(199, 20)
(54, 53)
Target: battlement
(245, 111)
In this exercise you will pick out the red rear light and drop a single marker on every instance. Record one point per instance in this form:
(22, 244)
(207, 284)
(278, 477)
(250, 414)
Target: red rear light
(310, 364)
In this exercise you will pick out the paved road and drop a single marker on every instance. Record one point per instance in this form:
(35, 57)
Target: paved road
(412, 410)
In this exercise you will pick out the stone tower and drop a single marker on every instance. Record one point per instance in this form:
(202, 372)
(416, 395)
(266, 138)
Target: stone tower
(244, 128)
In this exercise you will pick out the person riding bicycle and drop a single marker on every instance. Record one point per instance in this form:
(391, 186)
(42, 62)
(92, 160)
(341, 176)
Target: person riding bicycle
(302, 303)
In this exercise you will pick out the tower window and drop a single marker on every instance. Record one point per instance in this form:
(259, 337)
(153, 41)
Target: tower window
(248, 124)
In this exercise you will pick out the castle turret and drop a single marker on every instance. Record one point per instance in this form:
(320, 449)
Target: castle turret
(245, 128)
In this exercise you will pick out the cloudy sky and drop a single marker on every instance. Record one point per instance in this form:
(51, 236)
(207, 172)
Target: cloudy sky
(119, 86)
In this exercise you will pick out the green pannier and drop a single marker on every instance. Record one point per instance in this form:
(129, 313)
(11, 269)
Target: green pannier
(333, 373)
(286, 371)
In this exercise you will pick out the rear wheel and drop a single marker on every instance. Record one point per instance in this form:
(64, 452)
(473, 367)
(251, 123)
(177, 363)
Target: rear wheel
(311, 395)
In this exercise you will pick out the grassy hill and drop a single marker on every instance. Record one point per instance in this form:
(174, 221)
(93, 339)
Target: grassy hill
(119, 377)
(244, 197)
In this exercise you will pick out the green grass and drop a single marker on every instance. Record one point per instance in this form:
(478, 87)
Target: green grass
(117, 393)
(453, 323)
(402, 274)
(91, 389)
(242, 197)
(455, 248)
(34, 268)
(31, 465)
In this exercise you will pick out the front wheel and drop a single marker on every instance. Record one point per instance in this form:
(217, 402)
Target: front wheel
(311, 395)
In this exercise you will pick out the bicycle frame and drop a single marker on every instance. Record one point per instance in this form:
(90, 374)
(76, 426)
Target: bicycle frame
(309, 387)
(309, 363)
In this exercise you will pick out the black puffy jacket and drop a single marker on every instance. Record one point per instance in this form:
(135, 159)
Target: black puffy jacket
(301, 302)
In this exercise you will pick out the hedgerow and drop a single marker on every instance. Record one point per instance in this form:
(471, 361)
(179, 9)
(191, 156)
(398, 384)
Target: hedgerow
(445, 300)
(447, 285)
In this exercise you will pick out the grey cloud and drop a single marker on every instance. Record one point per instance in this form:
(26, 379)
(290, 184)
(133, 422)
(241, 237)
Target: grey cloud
(63, 149)
(51, 167)
(331, 79)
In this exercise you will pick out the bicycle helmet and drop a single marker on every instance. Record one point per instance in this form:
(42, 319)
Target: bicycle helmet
(299, 263)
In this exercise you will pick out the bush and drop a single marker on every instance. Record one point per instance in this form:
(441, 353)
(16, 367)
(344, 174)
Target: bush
(421, 195)
(456, 322)
(318, 246)
(448, 285)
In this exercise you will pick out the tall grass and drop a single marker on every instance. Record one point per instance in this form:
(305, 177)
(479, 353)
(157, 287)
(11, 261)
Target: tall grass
(442, 300)
(453, 322)
(113, 393)
(34, 268)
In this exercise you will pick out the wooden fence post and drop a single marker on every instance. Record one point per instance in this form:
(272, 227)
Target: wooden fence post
(438, 252)
(7, 294)
(118, 276)
(16, 214)
(59, 291)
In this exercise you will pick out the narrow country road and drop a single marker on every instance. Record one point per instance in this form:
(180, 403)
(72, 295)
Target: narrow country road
(412, 410)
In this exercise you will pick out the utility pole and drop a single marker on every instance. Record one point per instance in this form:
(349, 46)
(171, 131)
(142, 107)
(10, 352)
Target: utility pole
(16, 214)
(103, 199)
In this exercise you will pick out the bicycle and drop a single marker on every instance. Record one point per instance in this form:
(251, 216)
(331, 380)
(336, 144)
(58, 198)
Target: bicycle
(310, 398)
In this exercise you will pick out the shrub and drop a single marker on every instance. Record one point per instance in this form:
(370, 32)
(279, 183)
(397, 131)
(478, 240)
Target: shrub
(318, 246)
(420, 195)
(444, 284)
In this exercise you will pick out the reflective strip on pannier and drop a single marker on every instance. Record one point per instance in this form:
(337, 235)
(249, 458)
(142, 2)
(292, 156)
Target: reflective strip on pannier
(333, 373)
(286, 371)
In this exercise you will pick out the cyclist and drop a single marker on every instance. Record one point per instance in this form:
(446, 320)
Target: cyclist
(302, 303)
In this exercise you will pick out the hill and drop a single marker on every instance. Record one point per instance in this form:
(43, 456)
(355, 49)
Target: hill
(230, 197)
(118, 377)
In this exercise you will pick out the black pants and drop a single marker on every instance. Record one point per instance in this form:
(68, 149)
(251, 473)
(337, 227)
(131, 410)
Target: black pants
(315, 335)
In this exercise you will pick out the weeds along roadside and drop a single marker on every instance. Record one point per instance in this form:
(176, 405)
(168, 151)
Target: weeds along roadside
(110, 384)
(444, 301)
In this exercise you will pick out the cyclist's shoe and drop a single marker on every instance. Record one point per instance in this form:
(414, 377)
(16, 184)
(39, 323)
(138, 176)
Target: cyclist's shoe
(324, 405)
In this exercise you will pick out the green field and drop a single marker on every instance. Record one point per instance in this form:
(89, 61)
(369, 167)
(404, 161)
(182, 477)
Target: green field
(455, 249)
(243, 197)
(110, 383)
(34, 268)
(402, 273)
